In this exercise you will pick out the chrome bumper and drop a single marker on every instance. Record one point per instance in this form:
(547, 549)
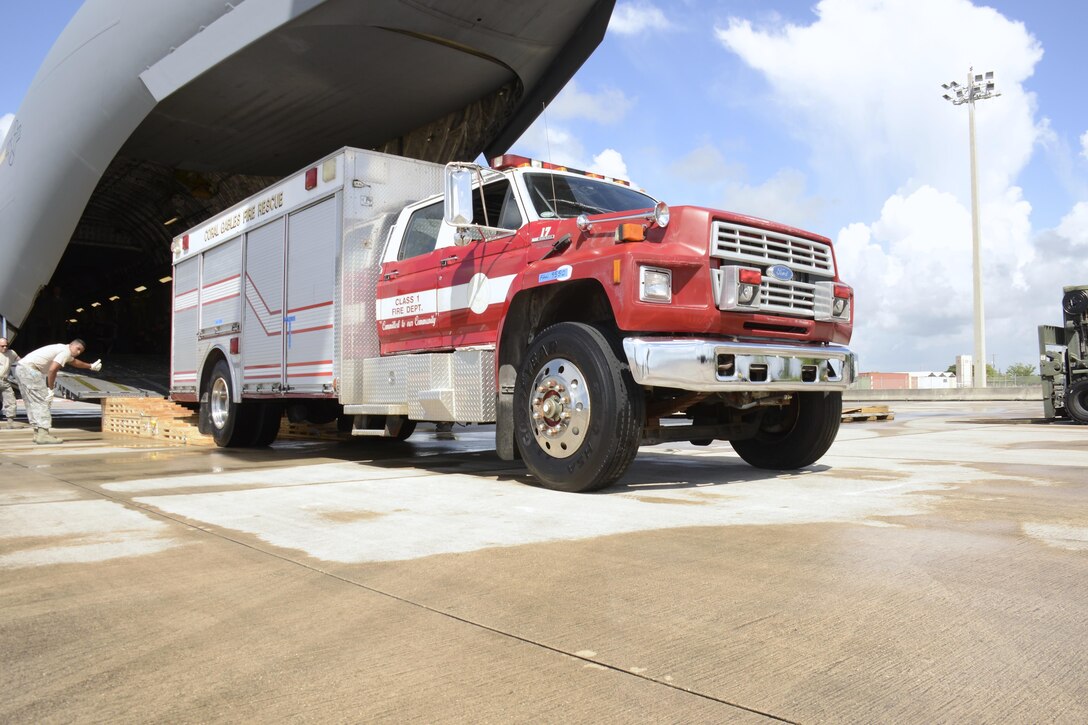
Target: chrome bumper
(708, 365)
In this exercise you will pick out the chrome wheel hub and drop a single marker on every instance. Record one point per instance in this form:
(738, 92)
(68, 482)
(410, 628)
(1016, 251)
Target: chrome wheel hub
(560, 408)
(219, 403)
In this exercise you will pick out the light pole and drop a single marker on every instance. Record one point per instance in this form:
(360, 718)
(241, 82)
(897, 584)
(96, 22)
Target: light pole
(979, 87)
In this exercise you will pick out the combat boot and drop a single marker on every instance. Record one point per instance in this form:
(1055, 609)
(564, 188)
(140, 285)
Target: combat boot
(42, 437)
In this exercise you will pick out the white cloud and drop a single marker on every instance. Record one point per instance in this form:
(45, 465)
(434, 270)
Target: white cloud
(714, 180)
(705, 165)
(1084, 144)
(549, 139)
(862, 84)
(552, 142)
(609, 163)
(608, 106)
(5, 123)
(912, 272)
(631, 18)
(1074, 226)
(781, 198)
(861, 87)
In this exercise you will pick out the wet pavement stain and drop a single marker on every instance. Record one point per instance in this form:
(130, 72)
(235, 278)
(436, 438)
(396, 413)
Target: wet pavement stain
(870, 474)
(671, 501)
(348, 517)
(1041, 475)
(1048, 445)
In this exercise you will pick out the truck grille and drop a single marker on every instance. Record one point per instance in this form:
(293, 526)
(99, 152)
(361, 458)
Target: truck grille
(810, 261)
(762, 248)
(796, 299)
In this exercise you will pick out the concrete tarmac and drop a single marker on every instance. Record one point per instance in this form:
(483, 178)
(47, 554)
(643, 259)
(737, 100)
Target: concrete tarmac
(933, 568)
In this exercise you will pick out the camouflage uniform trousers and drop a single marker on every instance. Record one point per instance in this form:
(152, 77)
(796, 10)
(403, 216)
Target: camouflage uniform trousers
(35, 396)
(9, 399)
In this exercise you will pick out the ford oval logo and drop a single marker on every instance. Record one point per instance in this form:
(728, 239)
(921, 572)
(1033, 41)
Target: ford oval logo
(781, 272)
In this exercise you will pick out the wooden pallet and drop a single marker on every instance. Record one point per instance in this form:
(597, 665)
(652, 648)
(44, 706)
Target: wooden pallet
(154, 418)
(163, 420)
(866, 414)
(312, 431)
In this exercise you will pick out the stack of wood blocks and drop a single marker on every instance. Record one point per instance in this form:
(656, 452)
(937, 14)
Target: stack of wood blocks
(867, 413)
(155, 418)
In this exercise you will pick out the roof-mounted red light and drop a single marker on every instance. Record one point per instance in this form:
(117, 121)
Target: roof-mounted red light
(511, 161)
(185, 243)
(514, 161)
(311, 178)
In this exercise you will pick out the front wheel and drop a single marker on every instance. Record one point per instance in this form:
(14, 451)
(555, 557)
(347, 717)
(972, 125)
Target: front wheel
(1076, 401)
(578, 414)
(795, 435)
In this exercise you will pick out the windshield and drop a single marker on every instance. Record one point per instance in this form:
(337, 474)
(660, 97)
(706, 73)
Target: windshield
(554, 196)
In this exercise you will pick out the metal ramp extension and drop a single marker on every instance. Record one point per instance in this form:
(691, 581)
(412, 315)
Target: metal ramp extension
(93, 390)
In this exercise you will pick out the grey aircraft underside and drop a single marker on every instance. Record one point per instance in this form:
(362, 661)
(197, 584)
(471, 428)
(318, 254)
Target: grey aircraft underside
(148, 116)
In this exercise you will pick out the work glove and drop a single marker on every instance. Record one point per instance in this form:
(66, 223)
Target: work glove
(49, 397)
(96, 366)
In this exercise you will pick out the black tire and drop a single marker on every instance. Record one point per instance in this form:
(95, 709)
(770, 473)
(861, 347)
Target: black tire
(591, 411)
(407, 428)
(267, 418)
(231, 424)
(1076, 401)
(796, 435)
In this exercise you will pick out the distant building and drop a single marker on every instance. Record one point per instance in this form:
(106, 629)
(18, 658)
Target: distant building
(906, 381)
(965, 370)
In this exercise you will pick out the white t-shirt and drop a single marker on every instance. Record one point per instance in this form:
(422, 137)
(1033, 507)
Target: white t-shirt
(41, 358)
(7, 359)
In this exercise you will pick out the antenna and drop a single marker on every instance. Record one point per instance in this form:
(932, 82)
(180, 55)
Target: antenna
(548, 145)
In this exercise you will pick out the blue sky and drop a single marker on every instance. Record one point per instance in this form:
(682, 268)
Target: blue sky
(828, 115)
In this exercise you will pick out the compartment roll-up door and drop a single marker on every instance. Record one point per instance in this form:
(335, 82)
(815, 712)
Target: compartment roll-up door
(312, 244)
(262, 330)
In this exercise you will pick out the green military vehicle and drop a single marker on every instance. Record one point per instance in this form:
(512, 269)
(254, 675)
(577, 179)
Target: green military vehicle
(1063, 359)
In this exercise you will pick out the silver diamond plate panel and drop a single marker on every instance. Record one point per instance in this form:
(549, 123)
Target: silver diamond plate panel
(377, 187)
(457, 386)
(474, 385)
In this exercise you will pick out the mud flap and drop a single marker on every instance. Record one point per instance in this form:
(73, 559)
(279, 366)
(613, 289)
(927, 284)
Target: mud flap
(505, 445)
(203, 421)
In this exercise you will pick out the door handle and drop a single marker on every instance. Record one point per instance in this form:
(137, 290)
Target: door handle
(448, 260)
(390, 275)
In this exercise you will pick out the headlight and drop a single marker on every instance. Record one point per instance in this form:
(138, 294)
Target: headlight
(656, 284)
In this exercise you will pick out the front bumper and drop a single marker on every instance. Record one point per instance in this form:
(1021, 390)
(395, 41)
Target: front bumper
(718, 366)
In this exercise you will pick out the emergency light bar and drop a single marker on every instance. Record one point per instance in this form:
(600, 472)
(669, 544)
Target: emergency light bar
(513, 161)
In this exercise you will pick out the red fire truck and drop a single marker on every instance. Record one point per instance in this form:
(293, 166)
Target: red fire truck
(582, 317)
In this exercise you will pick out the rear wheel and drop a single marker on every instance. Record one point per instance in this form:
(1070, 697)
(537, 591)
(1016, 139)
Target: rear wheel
(795, 435)
(231, 424)
(267, 418)
(578, 414)
(1076, 401)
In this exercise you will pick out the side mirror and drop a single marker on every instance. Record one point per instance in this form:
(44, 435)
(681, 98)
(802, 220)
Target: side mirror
(457, 208)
